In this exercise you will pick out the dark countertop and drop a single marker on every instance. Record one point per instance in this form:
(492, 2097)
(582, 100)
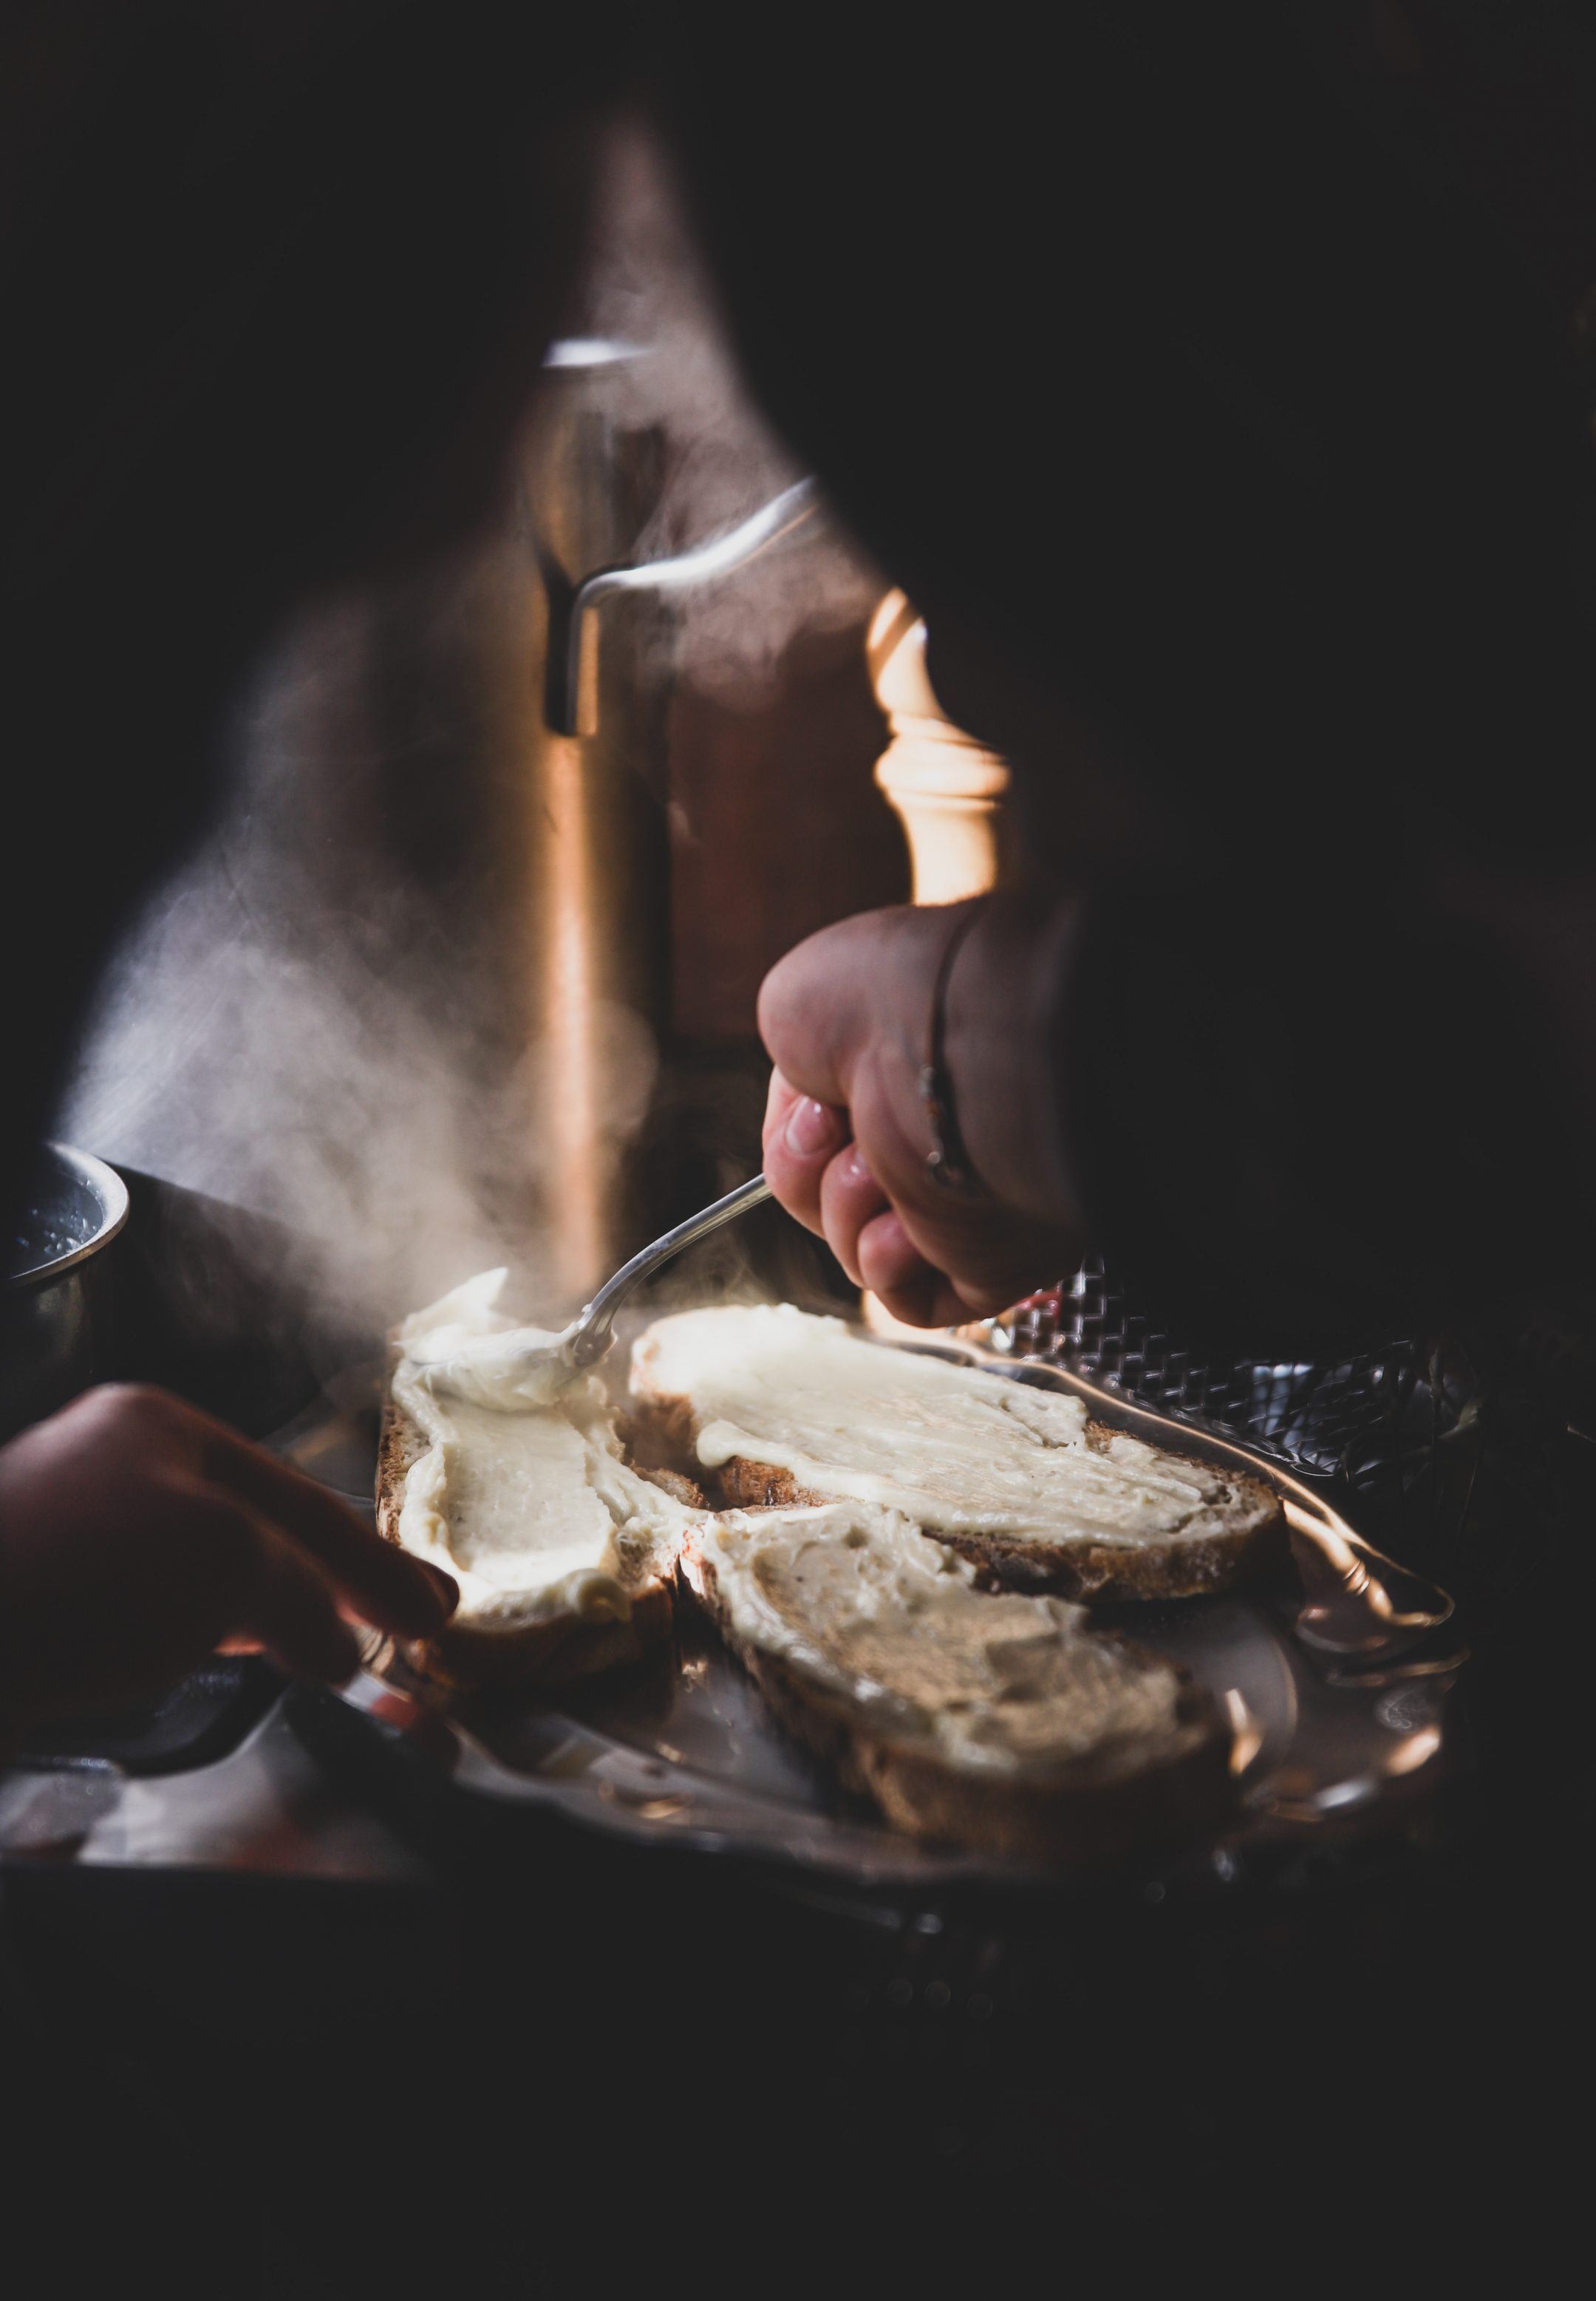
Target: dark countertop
(265, 1810)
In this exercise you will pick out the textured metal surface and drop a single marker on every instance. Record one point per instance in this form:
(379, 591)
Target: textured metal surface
(1318, 1419)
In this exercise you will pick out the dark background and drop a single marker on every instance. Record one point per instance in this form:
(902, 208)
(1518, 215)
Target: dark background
(1217, 389)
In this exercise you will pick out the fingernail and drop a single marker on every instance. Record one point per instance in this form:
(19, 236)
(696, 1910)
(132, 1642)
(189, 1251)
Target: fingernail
(813, 1127)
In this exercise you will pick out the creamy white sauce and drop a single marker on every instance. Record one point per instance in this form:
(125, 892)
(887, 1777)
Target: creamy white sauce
(520, 1493)
(463, 1348)
(947, 1445)
(523, 1497)
(857, 1600)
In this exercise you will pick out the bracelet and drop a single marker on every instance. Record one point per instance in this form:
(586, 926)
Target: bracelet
(948, 1160)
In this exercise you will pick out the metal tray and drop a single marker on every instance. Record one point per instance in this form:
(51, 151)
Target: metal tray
(1336, 1685)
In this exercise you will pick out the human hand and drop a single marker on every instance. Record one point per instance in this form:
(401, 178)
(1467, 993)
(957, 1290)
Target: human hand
(137, 1535)
(846, 1019)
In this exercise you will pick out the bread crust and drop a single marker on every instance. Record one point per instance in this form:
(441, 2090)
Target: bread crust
(468, 1656)
(1098, 1808)
(1197, 1565)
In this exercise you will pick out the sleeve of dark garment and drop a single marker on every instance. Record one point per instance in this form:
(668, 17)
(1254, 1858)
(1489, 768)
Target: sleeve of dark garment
(1304, 1124)
(1203, 381)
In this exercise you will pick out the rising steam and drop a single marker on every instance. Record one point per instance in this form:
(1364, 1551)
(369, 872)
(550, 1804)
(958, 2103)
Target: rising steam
(289, 1030)
(316, 1019)
(647, 286)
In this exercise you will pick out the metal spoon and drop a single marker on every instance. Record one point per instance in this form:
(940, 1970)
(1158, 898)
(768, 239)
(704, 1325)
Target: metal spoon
(587, 1339)
(528, 1367)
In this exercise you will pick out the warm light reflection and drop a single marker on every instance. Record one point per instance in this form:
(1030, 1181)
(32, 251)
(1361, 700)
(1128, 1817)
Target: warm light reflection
(1348, 1606)
(571, 1118)
(1247, 1733)
(1415, 1750)
(953, 839)
(946, 789)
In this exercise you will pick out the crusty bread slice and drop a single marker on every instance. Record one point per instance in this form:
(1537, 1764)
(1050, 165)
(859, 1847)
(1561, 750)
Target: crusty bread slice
(488, 1646)
(773, 1408)
(993, 1721)
(1072, 1566)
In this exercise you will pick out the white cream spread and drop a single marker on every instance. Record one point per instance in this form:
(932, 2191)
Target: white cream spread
(463, 1348)
(520, 1493)
(948, 1446)
(855, 1599)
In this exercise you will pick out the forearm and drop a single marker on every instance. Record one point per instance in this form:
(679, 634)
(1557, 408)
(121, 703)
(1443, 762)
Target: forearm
(1316, 1118)
(1005, 999)
(1296, 1116)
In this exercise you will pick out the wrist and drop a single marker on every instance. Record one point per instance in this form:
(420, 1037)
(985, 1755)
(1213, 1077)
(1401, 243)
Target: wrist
(1003, 998)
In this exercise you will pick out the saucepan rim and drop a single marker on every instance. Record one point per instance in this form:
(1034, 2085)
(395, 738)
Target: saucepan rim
(110, 1192)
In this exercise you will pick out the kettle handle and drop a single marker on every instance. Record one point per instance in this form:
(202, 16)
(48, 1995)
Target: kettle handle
(566, 713)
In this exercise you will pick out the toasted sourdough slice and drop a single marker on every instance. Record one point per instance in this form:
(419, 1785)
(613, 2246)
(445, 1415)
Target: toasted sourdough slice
(783, 1408)
(565, 1556)
(995, 1720)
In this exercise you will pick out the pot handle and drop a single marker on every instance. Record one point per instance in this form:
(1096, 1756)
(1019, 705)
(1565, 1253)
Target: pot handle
(572, 696)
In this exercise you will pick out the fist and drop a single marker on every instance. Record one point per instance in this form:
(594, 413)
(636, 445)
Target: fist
(846, 1019)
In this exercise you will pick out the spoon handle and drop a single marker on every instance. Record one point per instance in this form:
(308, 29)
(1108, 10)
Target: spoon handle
(592, 1336)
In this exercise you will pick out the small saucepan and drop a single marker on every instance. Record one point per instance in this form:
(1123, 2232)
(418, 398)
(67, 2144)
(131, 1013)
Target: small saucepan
(56, 1290)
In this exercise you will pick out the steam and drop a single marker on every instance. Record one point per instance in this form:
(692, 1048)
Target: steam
(317, 1018)
(294, 1029)
(647, 286)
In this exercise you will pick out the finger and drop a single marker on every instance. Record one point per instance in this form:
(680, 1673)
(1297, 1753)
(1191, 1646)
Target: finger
(890, 1265)
(925, 1299)
(801, 1137)
(850, 1196)
(382, 1584)
(807, 1006)
(779, 1098)
(290, 1604)
(851, 984)
(914, 1289)
(984, 1299)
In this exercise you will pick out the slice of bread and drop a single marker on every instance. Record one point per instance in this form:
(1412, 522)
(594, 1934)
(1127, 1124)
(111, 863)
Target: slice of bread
(516, 1637)
(995, 1721)
(773, 1408)
(565, 1556)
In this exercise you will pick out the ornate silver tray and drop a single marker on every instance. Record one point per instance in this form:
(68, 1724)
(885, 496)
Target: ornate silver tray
(1337, 1686)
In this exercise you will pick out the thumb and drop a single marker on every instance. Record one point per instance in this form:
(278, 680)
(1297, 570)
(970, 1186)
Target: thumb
(812, 1009)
